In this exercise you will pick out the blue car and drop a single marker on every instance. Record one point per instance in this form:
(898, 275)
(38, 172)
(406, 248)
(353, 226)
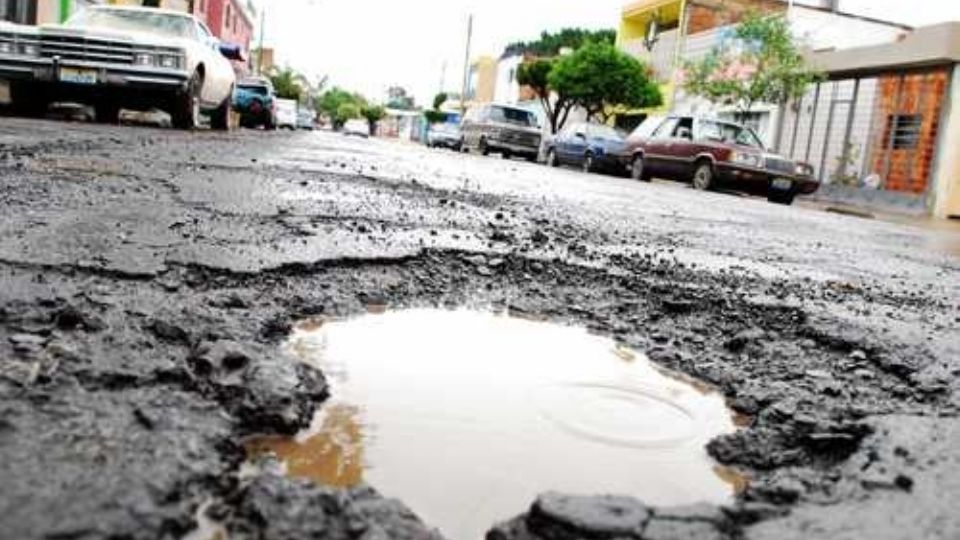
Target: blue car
(255, 100)
(591, 147)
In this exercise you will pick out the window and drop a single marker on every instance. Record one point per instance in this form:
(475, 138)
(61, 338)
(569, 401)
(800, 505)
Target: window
(227, 18)
(709, 131)
(905, 131)
(666, 128)
(203, 6)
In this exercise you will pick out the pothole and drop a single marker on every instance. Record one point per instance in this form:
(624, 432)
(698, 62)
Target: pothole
(467, 416)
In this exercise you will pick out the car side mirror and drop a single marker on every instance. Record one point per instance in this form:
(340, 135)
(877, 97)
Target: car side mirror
(231, 52)
(580, 136)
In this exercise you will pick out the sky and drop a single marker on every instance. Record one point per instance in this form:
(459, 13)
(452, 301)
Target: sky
(370, 45)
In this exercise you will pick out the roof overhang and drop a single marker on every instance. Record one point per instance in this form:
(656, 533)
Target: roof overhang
(638, 14)
(929, 46)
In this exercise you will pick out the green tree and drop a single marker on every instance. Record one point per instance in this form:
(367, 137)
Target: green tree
(373, 114)
(330, 103)
(600, 78)
(287, 83)
(347, 111)
(761, 64)
(555, 102)
(434, 116)
(439, 100)
(550, 44)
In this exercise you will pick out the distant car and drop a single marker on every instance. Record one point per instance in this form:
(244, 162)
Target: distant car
(502, 129)
(287, 111)
(357, 127)
(445, 135)
(712, 153)
(306, 119)
(255, 100)
(592, 147)
(121, 57)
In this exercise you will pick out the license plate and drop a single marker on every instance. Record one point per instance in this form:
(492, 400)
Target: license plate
(78, 75)
(783, 183)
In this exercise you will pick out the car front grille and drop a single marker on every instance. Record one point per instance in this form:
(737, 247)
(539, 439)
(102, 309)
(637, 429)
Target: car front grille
(780, 165)
(86, 49)
(521, 138)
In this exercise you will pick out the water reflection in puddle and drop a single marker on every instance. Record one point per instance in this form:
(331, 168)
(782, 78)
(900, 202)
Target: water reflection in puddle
(467, 416)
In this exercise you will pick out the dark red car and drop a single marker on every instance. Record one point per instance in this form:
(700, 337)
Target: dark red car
(712, 153)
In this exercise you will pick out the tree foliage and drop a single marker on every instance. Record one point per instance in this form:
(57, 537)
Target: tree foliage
(760, 63)
(287, 83)
(433, 116)
(340, 105)
(373, 114)
(597, 77)
(439, 100)
(550, 44)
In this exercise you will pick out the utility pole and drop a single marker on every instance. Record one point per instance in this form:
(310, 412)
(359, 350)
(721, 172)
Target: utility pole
(466, 67)
(263, 25)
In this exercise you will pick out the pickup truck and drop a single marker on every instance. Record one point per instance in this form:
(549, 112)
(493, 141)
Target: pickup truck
(121, 57)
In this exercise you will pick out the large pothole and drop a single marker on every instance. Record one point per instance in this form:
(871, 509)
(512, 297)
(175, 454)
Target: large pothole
(467, 416)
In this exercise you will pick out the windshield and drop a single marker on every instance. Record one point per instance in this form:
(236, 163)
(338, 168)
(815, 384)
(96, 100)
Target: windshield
(258, 89)
(446, 128)
(519, 117)
(729, 134)
(159, 23)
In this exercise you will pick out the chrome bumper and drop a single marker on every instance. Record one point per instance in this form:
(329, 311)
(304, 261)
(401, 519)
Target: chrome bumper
(46, 70)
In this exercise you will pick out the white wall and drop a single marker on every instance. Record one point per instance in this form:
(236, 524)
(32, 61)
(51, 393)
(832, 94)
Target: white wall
(507, 89)
(821, 30)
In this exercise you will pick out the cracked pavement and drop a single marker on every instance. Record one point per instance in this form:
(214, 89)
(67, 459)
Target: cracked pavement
(149, 277)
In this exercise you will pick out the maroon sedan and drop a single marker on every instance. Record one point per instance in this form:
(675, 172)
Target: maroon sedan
(712, 154)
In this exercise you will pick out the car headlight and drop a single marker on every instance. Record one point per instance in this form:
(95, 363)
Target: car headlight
(6, 47)
(29, 49)
(742, 158)
(802, 169)
(144, 59)
(169, 61)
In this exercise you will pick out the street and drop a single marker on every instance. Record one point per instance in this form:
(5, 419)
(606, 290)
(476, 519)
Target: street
(149, 277)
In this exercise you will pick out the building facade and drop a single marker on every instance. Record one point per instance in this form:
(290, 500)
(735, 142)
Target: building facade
(482, 80)
(229, 20)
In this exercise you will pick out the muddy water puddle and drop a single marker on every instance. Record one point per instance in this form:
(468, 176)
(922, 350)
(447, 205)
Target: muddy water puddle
(467, 416)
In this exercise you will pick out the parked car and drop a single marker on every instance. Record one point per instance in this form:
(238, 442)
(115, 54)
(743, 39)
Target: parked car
(711, 153)
(306, 119)
(502, 129)
(287, 111)
(592, 147)
(121, 57)
(255, 100)
(445, 135)
(357, 127)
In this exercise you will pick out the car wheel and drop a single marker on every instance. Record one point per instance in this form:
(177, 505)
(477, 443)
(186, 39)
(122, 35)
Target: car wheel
(27, 101)
(220, 119)
(781, 197)
(636, 169)
(703, 176)
(483, 148)
(186, 107)
(588, 163)
(552, 158)
(506, 155)
(107, 113)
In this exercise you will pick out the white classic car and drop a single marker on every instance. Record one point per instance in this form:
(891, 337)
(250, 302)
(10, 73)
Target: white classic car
(121, 57)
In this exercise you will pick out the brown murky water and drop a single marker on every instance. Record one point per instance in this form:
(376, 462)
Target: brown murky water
(467, 416)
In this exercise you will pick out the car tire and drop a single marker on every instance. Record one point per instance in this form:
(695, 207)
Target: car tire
(185, 113)
(220, 118)
(483, 148)
(703, 177)
(781, 197)
(25, 100)
(637, 170)
(107, 113)
(588, 164)
(506, 155)
(552, 160)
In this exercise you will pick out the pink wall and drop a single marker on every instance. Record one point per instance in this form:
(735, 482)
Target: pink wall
(238, 29)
